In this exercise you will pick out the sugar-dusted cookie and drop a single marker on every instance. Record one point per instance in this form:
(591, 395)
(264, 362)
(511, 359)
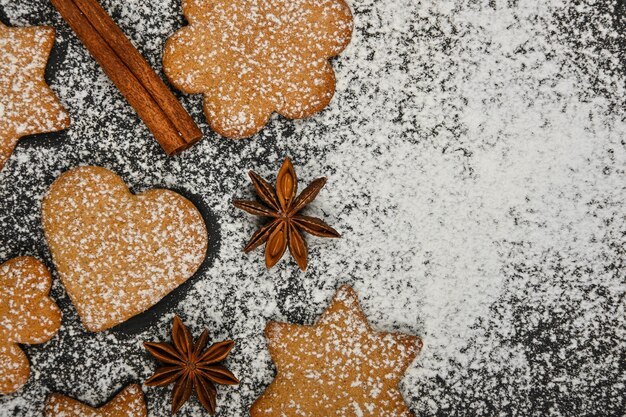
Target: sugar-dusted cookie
(116, 253)
(338, 367)
(27, 315)
(128, 403)
(253, 57)
(27, 105)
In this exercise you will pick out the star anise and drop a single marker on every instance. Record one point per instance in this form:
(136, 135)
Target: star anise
(283, 207)
(190, 367)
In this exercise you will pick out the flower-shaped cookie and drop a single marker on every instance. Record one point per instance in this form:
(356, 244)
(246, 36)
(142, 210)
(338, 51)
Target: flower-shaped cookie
(27, 315)
(253, 57)
(27, 105)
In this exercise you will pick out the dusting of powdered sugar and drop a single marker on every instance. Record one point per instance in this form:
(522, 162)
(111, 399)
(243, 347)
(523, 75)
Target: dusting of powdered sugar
(27, 315)
(475, 157)
(252, 57)
(336, 366)
(27, 105)
(129, 402)
(119, 254)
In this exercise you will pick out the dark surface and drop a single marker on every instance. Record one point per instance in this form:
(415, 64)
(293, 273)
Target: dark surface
(551, 340)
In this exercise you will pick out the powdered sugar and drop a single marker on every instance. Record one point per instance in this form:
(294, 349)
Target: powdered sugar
(252, 57)
(129, 403)
(27, 105)
(320, 366)
(475, 160)
(119, 254)
(27, 315)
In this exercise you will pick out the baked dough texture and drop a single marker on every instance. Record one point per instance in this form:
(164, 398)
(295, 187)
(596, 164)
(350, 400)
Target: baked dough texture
(27, 316)
(27, 104)
(338, 367)
(253, 57)
(117, 253)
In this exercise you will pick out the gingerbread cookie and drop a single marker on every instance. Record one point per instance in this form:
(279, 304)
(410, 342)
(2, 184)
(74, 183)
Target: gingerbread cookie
(253, 57)
(27, 104)
(116, 253)
(128, 403)
(338, 367)
(27, 315)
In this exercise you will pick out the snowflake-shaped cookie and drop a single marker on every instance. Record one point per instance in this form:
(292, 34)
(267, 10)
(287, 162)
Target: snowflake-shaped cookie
(27, 104)
(253, 57)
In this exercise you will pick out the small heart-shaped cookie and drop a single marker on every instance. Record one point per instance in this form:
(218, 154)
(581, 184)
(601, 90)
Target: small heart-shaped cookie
(27, 315)
(116, 253)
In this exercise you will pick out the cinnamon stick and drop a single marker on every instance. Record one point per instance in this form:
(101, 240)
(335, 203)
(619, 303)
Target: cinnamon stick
(122, 46)
(168, 121)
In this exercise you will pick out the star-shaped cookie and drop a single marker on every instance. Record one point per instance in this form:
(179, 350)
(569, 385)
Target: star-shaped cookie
(27, 104)
(128, 403)
(337, 367)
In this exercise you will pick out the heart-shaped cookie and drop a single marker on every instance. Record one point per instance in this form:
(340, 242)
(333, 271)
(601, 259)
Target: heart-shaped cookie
(118, 253)
(27, 315)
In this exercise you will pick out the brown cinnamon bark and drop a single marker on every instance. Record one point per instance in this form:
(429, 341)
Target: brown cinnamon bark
(155, 104)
